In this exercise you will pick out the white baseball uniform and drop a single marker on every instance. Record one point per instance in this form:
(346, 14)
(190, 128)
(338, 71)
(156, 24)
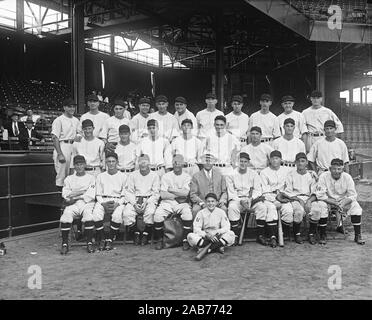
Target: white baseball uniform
(238, 126)
(65, 129)
(167, 207)
(168, 125)
(98, 121)
(127, 156)
(289, 149)
(147, 186)
(186, 115)
(205, 119)
(259, 155)
(139, 127)
(110, 130)
(269, 124)
(300, 125)
(212, 223)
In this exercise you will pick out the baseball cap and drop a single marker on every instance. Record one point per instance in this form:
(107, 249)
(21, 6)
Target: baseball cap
(78, 159)
(289, 120)
(181, 100)
(152, 122)
(276, 153)
(287, 98)
(124, 128)
(161, 98)
(87, 123)
(186, 121)
(266, 96)
(330, 123)
(211, 95)
(220, 117)
(337, 162)
(68, 102)
(211, 195)
(144, 100)
(120, 102)
(316, 94)
(92, 97)
(244, 155)
(301, 155)
(111, 155)
(257, 129)
(179, 158)
(237, 98)
(143, 156)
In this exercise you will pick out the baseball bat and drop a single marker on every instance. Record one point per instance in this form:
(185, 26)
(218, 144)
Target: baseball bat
(280, 231)
(203, 252)
(241, 236)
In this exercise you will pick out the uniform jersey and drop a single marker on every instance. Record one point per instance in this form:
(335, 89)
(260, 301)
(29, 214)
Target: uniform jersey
(74, 185)
(297, 184)
(237, 124)
(205, 121)
(168, 125)
(97, 119)
(111, 186)
(260, 155)
(300, 125)
(144, 186)
(186, 115)
(191, 149)
(171, 180)
(211, 222)
(289, 148)
(239, 184)
(65, 128)
(268, 123)
(139, 127)
(126, 155)
(93, 152)
(222, 148)
(273, 180)
(315, 119)
(110, 130)
(323, 152)
(158, 150)
(127, 114)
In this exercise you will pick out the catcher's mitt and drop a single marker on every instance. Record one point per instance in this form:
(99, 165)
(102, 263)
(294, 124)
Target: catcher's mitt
(173, 231)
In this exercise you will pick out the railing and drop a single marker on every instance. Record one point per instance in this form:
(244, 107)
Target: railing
(10, 197)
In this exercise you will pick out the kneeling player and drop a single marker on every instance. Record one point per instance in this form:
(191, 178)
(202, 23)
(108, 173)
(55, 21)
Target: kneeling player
(79, 193)
(174, 192)
(211, 225)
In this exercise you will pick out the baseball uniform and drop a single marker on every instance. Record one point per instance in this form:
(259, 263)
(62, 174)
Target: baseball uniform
(300, 125)
(98, 121)
(127, 156)
(139, 127)
(268, 123)
(289, 149)
(186, 115)
(205, 119)
(238, 126)
(168, 125)
(260, 155)
(110, 130)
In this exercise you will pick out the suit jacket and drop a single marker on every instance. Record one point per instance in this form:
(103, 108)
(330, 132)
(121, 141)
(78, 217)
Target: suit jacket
(201, 186)
(9, 127)
(24, 137)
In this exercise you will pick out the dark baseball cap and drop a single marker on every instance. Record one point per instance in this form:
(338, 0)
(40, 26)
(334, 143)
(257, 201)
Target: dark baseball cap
(266, 96)
(161, 98)
(244, 155)
(287, 98)
(289, 120)
(124, 128)
(316, 94)
(120, 102)
(69, 102)
(152, 122)
(220, 117)
(79, 159)
(337, 162)
(92, 97)
(111, 155)
(186, 121)
(144, 100)
(87, 123)
(276, 153)
(237, 98)
(330, 123)
(181, 100)
(211, 195)
(211, 95)
(301, 155)
(258, 129)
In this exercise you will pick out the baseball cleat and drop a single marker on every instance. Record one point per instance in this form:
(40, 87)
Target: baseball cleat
(108, 245)
(159, 245)
(101, 246)
(144, 240)
(358, 239)
(221, 250)
(137, 239)
(298, 239)
(273, 242)
(90, 247)
(64, 249)
(185, 245)
(312, 239)
(323, 239)
(261, 240)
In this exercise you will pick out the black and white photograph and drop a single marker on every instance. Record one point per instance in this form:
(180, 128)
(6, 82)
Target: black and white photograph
(185, 155)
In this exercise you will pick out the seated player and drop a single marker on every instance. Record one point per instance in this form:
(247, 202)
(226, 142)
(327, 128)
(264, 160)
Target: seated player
(126, 150)
(143, 195)
(337, 188)
(211, 225)
(174, 193)
(242, 186)
(110, 195)
(79, 193)
(207, 180)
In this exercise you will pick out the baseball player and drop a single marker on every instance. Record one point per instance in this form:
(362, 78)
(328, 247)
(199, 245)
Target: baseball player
(188, 146)
(239, 186)
(315, 116)
(266, 120)
(139, 121)
(207, 180)
(174, 193)
(97, 117)
(126, 150)
(143, 187)
(237, 121)
(337, 188)
(79, 194)
(124, 104)
(111, 198)
(64, 131)
(205, 118)
(288, 144)
(298, 197)
(223, 146)
(327, 148)
(157, 148)
(272, 179)
(300, 126)
(182, 113)
(211, 225)
(110, 131)
(91, 148)
(259, 153)
(168, 125)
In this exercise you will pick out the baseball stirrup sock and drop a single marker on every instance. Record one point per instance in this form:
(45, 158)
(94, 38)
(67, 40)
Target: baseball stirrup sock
(273, 230)
(186, 228)
(296, 228)
(147, 230)
(114, 227)
(89, 225)
(323, 225)
(260, 227)
(235, 227)
(65, 229)
(356, 221)
(313, 225)
(158, 230)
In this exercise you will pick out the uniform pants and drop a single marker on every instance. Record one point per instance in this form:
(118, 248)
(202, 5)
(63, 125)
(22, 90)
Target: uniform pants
(130, 214)
(266, 210)
(171, 206)
(194, 238)
(225, 171)
(62, 169)
(99, 211)
(79, 208)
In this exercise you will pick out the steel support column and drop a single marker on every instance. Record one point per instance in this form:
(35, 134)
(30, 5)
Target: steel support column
(161, 49)
(219, 62)
(20, 14)
(78, 55)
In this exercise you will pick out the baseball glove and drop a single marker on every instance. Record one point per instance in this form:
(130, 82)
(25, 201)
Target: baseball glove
(173, 231)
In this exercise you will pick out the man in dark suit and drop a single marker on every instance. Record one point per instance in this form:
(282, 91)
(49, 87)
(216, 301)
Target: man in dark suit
(28, 136)
(14, 128)
(208, 179)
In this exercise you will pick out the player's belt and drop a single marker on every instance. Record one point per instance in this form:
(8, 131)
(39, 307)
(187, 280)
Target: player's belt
(243, 140)
(316, 134)
(70, 141)
(157, 168)
(116, 197)
(288, 164)
(220, 165)
(127, 170)
(91, 168)
(186, 165)
(266, 139)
